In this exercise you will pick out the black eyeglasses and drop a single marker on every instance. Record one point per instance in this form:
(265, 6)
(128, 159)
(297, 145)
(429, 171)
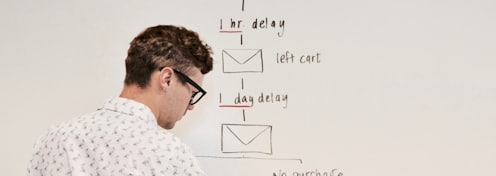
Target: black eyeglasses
(196, 95)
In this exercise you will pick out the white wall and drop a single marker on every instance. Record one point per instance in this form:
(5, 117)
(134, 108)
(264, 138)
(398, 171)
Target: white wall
(402, 87)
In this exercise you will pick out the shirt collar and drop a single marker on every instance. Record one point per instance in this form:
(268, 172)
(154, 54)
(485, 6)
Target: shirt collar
(130, 107)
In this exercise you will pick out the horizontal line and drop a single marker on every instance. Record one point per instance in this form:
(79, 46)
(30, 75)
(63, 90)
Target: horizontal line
(256, 158)
(230, 31)
(235, 106)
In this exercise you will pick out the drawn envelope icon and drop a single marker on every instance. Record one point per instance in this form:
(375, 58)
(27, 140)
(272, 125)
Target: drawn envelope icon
(242, 60)
(246, 138)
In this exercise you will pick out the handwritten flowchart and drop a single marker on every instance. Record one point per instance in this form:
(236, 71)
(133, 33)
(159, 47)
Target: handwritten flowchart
(248, 140)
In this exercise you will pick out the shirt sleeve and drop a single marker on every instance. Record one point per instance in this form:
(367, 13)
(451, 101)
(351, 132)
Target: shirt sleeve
(185, 163)
(49, 156)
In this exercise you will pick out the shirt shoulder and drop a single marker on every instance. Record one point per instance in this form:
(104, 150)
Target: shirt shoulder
(118, 139)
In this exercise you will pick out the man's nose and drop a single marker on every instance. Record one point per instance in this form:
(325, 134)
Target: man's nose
(191, 107)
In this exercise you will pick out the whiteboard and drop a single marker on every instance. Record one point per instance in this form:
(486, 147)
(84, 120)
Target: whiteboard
(308, 87)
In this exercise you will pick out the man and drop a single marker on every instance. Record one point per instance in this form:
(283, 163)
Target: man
(128, 135)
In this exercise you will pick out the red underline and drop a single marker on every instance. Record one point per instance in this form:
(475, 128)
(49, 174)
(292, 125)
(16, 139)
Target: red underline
(234, 106)
(230, 31)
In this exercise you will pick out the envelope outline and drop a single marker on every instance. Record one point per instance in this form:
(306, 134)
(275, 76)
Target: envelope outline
(234, 142)
(242, 60)
(250, 139)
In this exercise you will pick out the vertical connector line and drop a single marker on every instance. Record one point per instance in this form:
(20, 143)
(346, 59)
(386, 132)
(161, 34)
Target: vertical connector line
(221, 24)
(242, 84)
(244, 116)
(220, 98)
(241, 39)
(243, 6)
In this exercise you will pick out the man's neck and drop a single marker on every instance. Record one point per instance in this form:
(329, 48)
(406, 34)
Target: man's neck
(142, 95)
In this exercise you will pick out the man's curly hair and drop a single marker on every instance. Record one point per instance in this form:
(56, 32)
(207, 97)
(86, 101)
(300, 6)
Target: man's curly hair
(165, 46)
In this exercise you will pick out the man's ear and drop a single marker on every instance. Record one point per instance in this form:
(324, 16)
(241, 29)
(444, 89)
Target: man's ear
(166, 77)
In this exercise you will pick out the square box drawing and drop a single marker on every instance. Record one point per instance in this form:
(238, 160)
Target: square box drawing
(242, 60)
(246, 138)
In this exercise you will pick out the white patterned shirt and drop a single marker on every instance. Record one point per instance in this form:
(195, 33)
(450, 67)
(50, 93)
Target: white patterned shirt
(121, 138)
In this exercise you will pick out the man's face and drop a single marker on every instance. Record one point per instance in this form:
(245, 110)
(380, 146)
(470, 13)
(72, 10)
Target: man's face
(179, 97)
